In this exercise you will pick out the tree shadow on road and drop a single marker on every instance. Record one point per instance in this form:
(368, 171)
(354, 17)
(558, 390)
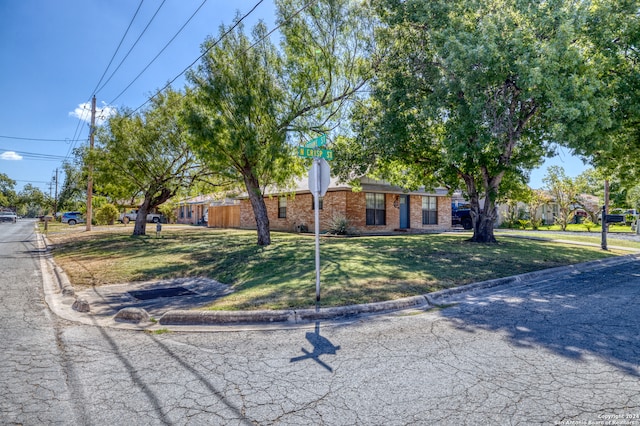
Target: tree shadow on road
(591, 314)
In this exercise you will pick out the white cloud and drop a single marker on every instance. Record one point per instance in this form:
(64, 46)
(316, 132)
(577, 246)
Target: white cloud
(83, 112)
(10, 155)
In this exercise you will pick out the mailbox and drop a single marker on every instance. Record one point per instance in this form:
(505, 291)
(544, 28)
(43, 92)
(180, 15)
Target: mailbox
(615, 218)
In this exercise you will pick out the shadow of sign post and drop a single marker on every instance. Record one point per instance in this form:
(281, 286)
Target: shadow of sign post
(321, 346)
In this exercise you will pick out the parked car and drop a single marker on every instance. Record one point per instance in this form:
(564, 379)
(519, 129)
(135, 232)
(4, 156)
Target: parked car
(8, 216)
(133, 214)
(72, 218)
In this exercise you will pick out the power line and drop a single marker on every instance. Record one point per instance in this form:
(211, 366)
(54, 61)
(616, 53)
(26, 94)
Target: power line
(132, 46)
(159, 53)
(201, 56)
(117, 48)
(35, 156)
(38, 139)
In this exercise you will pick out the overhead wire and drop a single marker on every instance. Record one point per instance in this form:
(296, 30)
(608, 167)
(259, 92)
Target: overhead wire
(296, 13)
(199, 57)
(35, 156)
(132, 46)
(37, 139)
(159, 53)
(117, 48)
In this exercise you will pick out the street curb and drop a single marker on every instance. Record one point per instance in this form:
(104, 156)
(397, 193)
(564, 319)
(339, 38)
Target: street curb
(183, 317)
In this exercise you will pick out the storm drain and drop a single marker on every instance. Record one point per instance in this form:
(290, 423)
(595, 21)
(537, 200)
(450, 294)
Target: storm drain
(161, 292)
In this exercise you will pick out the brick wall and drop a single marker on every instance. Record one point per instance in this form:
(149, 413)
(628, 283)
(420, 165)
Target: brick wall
(344, 203)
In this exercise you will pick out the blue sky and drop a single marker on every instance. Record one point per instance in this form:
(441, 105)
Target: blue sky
(56, 52)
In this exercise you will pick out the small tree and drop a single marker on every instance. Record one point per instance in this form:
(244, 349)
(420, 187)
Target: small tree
(564, 192)
(538, 199)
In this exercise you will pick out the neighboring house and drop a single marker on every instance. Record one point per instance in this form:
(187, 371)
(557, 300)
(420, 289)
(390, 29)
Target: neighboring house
(195, 211)
(587, 206)
(377, 208)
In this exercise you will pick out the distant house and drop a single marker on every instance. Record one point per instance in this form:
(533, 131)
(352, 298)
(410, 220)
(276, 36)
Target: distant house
(378, 208)
(195, 210)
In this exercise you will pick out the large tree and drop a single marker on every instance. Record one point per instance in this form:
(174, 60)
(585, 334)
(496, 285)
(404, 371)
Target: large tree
(144, 156)
(472, 94)
(613, 28)
(252, 102)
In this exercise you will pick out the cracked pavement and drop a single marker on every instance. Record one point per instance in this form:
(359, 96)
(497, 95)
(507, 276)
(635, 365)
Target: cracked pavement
(562, 349)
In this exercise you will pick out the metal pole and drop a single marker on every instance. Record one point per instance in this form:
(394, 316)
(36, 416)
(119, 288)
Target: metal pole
(605, 209)
(316, 215)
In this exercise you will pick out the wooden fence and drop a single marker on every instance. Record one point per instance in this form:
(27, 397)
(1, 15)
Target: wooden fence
(224, 217)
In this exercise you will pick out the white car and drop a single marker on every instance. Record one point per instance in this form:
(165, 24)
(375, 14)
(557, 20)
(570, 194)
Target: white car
(6, 216)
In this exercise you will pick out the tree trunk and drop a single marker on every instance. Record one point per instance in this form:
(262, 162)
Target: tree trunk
(483, 217)
(259, 210)
(140, 227)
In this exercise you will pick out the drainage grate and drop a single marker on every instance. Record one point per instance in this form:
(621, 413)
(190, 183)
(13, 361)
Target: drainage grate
(161, 292)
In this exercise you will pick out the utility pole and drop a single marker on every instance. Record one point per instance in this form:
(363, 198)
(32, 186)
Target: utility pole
(55, 199)
(90, 174)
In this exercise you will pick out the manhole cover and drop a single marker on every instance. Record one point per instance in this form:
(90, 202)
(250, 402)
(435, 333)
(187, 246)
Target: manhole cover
(161, 292)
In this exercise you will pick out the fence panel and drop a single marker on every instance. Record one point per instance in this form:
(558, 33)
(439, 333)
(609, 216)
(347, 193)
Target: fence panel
(224, 217)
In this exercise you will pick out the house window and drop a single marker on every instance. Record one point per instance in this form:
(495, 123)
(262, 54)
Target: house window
(375, 209)
(282, 207)
(313, 203)
(429, 210)
(181, 212)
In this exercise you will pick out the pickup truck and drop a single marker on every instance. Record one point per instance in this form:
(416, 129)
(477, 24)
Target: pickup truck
(133, 215)
(461, 216)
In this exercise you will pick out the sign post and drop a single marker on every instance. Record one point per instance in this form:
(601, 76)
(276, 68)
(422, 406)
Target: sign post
(319, 176)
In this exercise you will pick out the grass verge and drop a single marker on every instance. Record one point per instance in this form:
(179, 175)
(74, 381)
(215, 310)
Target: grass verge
(282, 275)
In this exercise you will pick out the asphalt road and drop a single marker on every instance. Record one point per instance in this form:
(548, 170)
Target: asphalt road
(563, 349)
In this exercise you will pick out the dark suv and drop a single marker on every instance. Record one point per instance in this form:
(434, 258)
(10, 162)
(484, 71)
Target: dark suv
(72, 218)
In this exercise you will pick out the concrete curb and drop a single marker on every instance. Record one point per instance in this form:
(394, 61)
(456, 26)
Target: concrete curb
(182, 317)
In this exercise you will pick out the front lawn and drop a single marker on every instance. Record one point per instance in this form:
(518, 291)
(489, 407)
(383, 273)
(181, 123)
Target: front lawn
(282, 275)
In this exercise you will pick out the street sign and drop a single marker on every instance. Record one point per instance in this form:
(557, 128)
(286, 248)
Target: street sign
(317, 142)
(319, 176)
(305, 152)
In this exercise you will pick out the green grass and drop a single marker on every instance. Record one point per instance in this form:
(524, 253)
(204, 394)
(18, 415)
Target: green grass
(282, 275)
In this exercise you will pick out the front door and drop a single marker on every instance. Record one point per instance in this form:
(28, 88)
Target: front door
(404, 211)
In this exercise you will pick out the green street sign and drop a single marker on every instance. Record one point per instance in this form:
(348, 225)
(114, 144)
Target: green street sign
(305, 152)
(317, 142)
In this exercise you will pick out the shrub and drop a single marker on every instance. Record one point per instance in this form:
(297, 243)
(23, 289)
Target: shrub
(588, 224)
(339, 225)
(536, 224)
(107, 214)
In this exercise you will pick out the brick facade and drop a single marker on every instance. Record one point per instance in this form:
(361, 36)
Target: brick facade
(351, 205)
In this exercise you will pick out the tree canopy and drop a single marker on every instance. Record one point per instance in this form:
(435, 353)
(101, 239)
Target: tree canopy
(252, 102)
(145, 156)
(473, 94)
